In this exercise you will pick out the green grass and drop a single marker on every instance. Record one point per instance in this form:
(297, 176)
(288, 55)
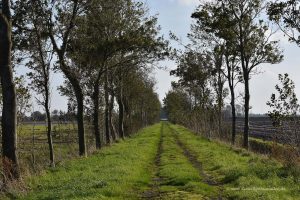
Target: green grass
(179, 176)
(127, 170)
(117, 172)
(25, 130)
(244, 175)
(34, 154)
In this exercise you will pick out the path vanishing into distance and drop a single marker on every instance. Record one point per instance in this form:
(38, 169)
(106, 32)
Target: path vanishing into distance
(164, 161)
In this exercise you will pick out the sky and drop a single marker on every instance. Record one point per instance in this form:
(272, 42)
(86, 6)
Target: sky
(174, 16)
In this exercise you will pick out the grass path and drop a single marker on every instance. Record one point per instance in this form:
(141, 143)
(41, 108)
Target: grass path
(176, 176)
(154, 191)
(165, 161)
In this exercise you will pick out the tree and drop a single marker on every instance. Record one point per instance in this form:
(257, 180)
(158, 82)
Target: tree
(107, 34)
(142, 106)
(285, 107)
(9, 112)
(40, 65)
(285, 104)
(218, 82)
(198, 71)
(251, 36)
(177, 105)
(23, 97)
(233, 74)
(34, 43)
(286, 14)
(60, 24)
(40, 39)
(38, 116)
(54, 21)
(211, 28)
(194, 70)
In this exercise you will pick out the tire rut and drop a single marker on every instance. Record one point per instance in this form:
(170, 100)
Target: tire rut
(155, 192)
(197, 164)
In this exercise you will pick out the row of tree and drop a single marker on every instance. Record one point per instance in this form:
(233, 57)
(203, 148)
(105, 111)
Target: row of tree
(105, 50)
(229, 40)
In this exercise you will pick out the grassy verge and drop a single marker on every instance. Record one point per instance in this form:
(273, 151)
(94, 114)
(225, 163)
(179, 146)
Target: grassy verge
(244, 175)
(114, 173)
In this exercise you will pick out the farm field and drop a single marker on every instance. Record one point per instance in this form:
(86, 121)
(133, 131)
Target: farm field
(33, 149)
(262, 128)
(165, 161)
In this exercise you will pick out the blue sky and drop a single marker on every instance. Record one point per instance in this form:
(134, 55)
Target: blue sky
(174, 15)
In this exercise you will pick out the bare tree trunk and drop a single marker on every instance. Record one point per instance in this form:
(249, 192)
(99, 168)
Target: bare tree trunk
(9, 115)
(233, 113)
(220, 99)
(80, 108)
(111, 123)
(80, 122)
(46, 75)
(220, 122)
(107, 129)
(247, 100)
(49, 132)
(69, 73)
(121, 114)
(96, 116)
(246, 89)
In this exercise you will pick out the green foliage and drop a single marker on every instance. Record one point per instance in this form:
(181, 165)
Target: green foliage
(237, 29)
(23, 96)
(237, 22)
(286, 14)
(284, 105)
(177, 105)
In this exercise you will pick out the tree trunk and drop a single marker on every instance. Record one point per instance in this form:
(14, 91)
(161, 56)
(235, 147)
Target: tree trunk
(111, 123)
(49, 133)
(96, 116)
(71, 76)
(233, 113)
(107, 129)
(220, 121)
(80, 122)
(220, 99)
(121, 115)
(220, 113)
(46, 74)
(80, 108)
(247, 100)
(9, 115)
(121, 119)
(231, 82)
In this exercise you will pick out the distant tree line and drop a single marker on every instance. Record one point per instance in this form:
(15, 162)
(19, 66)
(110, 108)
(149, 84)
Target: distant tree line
(56, 116)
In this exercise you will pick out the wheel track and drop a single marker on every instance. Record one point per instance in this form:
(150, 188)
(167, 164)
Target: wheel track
(155, 192)
(197, 164)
